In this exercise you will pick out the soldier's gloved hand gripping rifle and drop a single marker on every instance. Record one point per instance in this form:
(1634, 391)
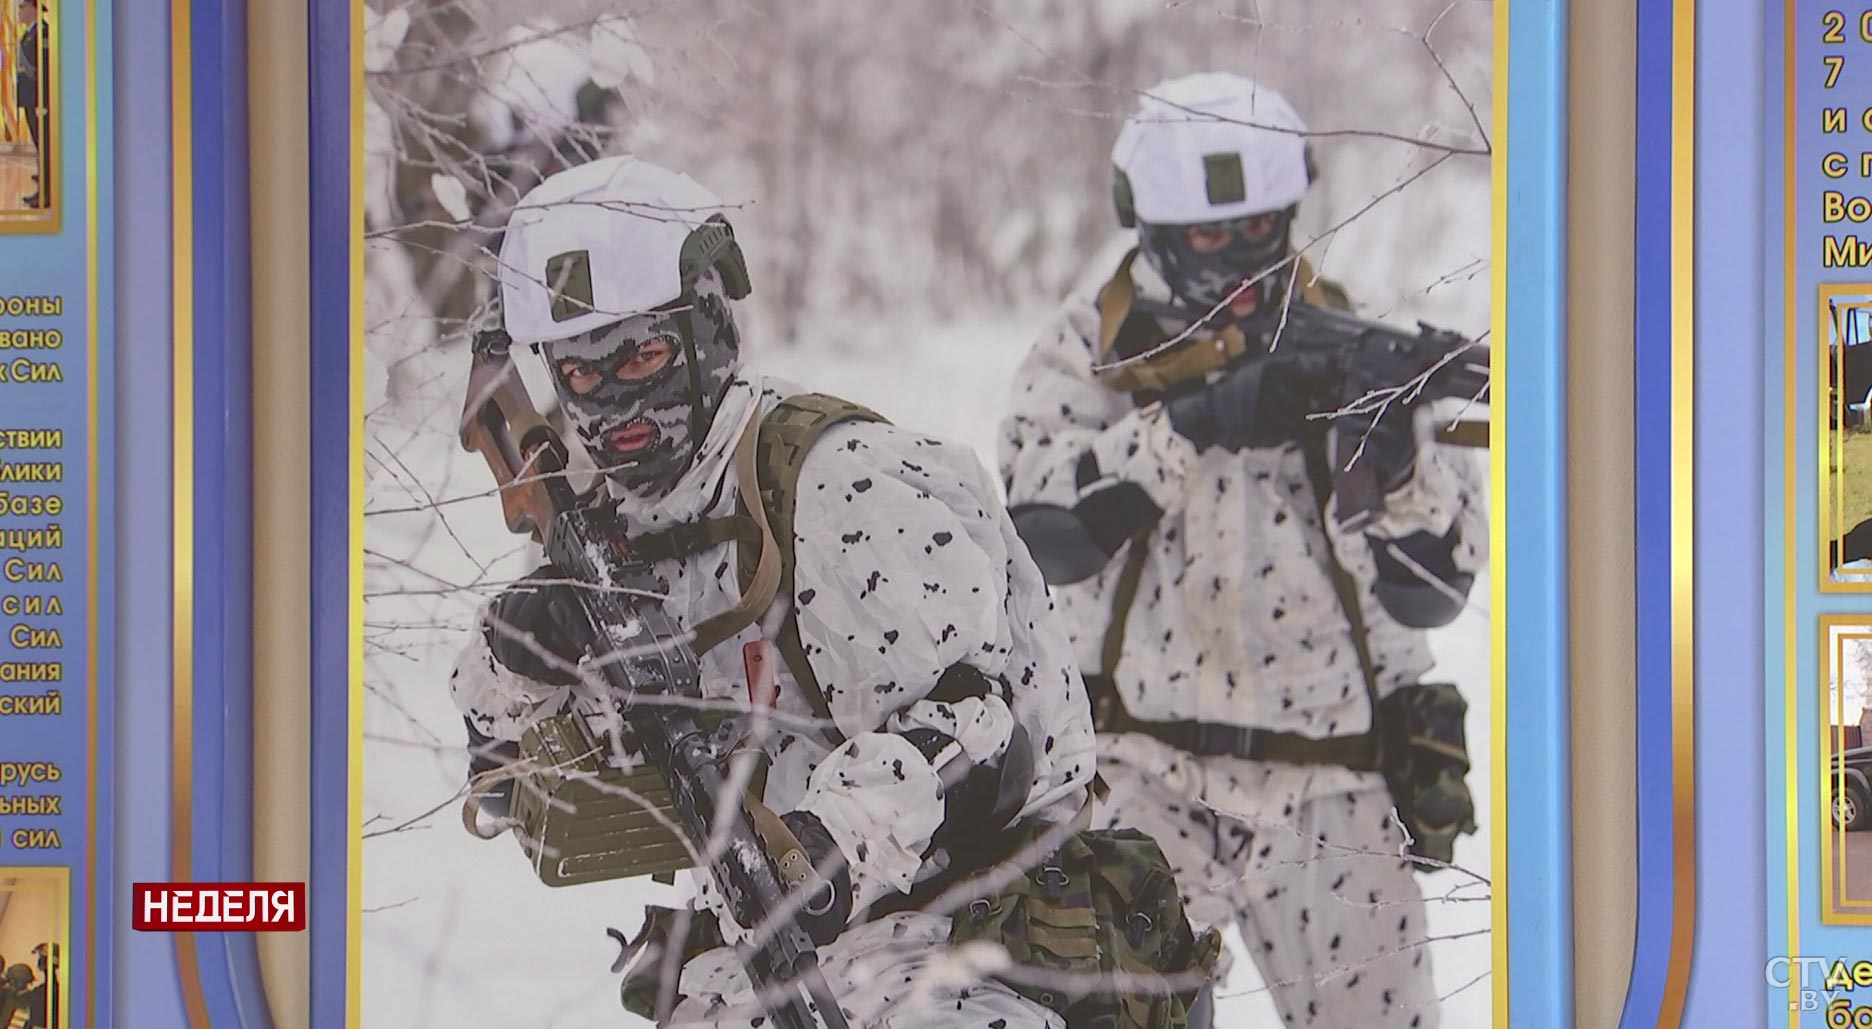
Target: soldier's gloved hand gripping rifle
(1339, 372)
(642, 657)
(1374, 360)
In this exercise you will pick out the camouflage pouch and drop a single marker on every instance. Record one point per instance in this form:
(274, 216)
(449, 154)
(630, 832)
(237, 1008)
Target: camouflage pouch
(1098, 933)
(1424, 756)
(642, 983)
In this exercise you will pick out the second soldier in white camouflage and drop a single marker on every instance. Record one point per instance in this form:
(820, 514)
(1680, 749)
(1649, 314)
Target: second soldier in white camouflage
(1235, 636)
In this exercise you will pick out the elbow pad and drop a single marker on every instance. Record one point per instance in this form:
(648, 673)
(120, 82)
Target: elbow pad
(1407, 595)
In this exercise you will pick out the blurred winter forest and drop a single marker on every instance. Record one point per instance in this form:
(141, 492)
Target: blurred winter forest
(916, 183)
(910, 160)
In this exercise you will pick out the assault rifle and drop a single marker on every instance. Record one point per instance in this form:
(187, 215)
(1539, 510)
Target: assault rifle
(1355, 357)
(642, 657)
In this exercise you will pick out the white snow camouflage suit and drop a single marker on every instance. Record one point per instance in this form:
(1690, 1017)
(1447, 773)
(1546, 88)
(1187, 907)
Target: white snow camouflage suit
(1237, 621)
(906, 564)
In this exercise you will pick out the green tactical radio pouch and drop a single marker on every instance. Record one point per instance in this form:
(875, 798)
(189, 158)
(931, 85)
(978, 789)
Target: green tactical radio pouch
(1098, 933)
(578, 818)
(1424, 757)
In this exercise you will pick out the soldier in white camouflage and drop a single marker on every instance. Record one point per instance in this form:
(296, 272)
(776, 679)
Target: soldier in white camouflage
(929, 712)
(1246, 651)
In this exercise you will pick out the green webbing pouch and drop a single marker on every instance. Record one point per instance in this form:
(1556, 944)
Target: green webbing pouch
(1098, 932)
(642, 983)
(1424, 757)
(580, 820)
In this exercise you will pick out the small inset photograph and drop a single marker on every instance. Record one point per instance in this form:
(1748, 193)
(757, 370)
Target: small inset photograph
(1846, 491)
(28, 114)
(34, 916)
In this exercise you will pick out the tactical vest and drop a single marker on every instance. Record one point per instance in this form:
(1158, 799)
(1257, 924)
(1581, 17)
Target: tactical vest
(578, 818)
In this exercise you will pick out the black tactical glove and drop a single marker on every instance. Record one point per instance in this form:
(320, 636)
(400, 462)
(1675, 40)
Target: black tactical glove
(829, 908)
(485, 754)
(545, 607)
(979, 800)
(1260, 402)
(1389, 443)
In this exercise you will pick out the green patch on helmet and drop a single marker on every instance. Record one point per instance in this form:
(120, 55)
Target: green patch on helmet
(569, 277)
(1223, 175)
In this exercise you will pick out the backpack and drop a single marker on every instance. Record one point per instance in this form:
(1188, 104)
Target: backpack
(578, 818)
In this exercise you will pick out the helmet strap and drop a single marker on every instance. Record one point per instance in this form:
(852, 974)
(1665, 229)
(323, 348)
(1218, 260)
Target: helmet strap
(699, 415)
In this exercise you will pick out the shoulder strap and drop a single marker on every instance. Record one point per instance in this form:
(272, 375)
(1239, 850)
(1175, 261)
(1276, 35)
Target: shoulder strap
(787, 433)
(760, 558)
(1319, 471)
(1321, 292)
(1123, 594)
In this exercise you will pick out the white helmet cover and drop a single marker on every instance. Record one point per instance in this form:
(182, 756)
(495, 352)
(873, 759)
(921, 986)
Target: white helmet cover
(595, 244)
(1211, 147)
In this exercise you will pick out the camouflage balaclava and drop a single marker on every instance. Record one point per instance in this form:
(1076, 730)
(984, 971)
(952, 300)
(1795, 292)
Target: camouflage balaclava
(1231, 253)
(642, 392)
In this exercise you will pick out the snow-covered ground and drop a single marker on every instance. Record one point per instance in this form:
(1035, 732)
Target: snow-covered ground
(458, 931)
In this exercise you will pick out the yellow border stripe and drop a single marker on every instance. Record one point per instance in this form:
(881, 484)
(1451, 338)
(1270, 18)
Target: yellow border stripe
(1683, 511)
(354, 921)
(1790, 643)
(183, 489)
(92, 374)
(1498, 526)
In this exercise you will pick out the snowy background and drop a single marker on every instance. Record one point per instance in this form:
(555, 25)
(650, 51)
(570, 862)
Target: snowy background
(915, 184)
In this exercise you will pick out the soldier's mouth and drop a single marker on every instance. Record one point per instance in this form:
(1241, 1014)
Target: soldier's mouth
(633, 437)
(1247, 301)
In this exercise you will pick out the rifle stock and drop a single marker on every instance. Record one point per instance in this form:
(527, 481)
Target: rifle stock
(527, 458)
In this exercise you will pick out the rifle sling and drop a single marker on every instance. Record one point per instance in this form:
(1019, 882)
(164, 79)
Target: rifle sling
(763, 583)
(768, 459)
(1123, 594)
(786, 434)
(1468, 433)
(1320, 473)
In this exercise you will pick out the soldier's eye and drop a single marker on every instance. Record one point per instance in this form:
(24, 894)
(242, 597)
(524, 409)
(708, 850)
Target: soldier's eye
(648, 359)
(580, 377)
(1207, 239)
(1259, 226)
